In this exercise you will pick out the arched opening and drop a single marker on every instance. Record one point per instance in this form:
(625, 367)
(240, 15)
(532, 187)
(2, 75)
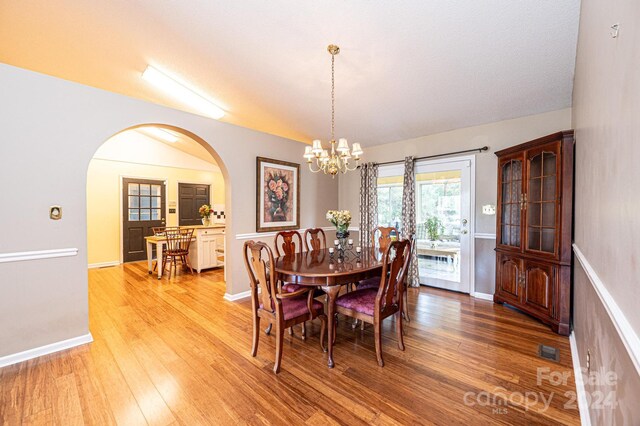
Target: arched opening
(152, 176)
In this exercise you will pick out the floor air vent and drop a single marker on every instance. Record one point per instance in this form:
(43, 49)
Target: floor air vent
(548, 352)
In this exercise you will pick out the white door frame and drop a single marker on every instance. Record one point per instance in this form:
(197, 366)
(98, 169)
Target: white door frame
(471, 163)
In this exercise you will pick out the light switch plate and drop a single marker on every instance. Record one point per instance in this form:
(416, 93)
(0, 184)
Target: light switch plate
(55, 212)
(489, 209)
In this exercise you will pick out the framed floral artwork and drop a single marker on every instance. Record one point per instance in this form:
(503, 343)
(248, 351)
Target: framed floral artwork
(277, 195)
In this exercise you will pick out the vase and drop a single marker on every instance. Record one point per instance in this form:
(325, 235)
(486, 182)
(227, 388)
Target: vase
(343, 237)
(205, 221)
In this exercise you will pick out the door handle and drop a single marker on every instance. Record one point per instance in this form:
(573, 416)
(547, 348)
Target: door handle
(464, 231)
(464, 221)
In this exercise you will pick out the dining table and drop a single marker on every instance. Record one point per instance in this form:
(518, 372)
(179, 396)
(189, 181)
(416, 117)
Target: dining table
(329, 271)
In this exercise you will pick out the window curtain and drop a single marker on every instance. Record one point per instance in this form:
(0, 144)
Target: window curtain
(409, 218)
(368, 202)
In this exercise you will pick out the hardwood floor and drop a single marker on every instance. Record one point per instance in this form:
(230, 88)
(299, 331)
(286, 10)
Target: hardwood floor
(172, 351)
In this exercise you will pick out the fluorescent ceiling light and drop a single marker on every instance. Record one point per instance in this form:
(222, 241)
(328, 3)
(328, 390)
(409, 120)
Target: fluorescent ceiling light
(182, 93)
(159, 133)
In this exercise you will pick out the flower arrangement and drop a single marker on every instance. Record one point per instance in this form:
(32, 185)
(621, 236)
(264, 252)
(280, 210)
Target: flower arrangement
(278, 195)
(341, 219)
(434, 228)
(205, 211)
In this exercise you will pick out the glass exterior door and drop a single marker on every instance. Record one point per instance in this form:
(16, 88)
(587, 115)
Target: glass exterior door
(443, 222)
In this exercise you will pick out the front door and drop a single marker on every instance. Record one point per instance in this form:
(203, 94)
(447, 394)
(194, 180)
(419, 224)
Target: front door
(444, 225)
(190, 198)
(143, 204)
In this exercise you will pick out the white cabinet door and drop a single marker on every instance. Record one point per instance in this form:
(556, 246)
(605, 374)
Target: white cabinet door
(208, 257)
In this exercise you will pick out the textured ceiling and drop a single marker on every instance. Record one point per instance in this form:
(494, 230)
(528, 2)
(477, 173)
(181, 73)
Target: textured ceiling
(406, 69)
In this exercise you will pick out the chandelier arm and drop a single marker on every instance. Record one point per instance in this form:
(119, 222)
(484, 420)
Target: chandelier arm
(314, 171)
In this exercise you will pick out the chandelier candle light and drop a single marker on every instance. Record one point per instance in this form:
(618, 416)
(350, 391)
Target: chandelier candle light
(336, 161)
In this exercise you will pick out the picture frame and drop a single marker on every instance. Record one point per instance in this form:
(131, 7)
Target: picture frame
(277, 195)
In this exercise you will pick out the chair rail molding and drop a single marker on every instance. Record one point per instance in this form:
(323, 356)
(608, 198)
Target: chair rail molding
(259, 235)
(37, 254)
(485, 236)
(627, 334)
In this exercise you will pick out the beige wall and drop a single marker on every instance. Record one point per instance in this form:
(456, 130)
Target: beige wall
(51, 129)
(104, 230)
(132, 154)
(496, 136)
(606, 113)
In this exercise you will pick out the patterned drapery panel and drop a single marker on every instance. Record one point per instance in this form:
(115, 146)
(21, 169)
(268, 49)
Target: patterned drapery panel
(409, 218)
(368, 202)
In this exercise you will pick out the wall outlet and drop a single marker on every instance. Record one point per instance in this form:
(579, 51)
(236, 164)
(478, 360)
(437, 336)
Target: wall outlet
(55, 212)
(489, 209)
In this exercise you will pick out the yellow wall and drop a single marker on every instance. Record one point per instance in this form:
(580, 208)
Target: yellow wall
(104, 200)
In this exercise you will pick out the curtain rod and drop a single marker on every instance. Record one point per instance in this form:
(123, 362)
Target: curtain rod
(484, 148)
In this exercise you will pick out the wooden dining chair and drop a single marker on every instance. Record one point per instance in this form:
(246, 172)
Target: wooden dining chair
(284, 310)
(159, 231)
(382, 236)
(314, 239)
(373, 305)
(285, 243)
(178, 242)
(375, 283)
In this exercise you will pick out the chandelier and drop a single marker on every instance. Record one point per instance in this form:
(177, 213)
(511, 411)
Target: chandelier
(336, 161)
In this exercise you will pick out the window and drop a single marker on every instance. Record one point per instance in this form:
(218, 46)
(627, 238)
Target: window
(390, 182)
(144, 201)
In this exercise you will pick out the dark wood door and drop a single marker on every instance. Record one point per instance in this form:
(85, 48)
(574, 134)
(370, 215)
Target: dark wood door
(539, 286)
(143, 202)
(191, 197)
(509, 274)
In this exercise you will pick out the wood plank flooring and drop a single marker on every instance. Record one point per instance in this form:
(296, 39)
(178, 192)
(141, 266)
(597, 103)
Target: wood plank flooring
(172, 351)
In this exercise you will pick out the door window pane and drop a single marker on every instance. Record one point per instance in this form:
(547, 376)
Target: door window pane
(534, 238)
(155, 190)
(145, 189)
(133, 202)
(145, 214)
(155, 202)
(534, 214)
(134, 189)
(549, 214)
(535, 166)
(133, 215)
(145, 202)
(549, 189)
(155, 214)
(535, 192)
(549, 161)
(548, 240)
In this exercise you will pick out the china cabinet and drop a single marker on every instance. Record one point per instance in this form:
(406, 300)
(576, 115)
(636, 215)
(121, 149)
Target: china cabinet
(534, 228)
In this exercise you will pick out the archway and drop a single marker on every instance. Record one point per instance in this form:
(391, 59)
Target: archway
(172, 167)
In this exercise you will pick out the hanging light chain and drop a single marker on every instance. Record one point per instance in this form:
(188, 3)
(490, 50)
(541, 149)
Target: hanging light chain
(333, 96)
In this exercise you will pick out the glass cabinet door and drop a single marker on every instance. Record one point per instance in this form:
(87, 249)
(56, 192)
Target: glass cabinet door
(542, 201)
(511, 202)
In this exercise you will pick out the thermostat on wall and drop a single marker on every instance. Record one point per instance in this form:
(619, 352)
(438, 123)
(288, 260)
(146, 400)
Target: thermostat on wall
(489, 209)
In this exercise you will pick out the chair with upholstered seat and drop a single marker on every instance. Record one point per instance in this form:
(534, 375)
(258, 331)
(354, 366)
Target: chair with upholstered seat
(383, 235)
(314, 239)
(373, 305)
(281, 309)
(374, 282)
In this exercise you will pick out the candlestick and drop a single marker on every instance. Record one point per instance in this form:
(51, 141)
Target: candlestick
(331, 250)
(358, 249)
(350, 242)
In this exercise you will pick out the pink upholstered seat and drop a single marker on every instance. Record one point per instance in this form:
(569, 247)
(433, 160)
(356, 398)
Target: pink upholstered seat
(361, 300)
(292, 288)
(297, 306)
(373, 282)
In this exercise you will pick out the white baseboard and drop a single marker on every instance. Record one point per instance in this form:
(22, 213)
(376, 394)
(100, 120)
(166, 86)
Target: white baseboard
(625, 330)
(45, 350)
(581, 394)
(238, 296)
(483, 296)
(104, 264)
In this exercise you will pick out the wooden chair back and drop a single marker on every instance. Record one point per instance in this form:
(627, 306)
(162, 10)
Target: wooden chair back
(381, 236)
(285, 240)
(256, 255)
(396, 259)
(314, 239)
(178, 240)
(158, 231)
